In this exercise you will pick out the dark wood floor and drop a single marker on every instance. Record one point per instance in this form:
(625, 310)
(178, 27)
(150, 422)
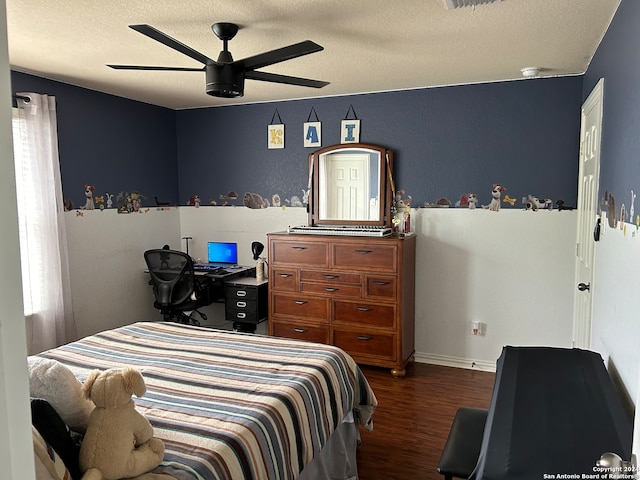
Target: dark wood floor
(413, 418)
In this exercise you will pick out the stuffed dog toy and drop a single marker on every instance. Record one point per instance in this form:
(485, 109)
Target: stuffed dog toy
(119, 441)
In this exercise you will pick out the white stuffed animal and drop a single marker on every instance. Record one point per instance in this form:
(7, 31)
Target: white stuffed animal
(55, 383)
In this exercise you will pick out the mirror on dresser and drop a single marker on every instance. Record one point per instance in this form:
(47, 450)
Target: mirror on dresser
(351, 184)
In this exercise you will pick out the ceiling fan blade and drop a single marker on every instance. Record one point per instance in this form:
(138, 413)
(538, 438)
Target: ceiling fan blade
(276, 78)
(143, 67)
(279, 55)
(165, 39)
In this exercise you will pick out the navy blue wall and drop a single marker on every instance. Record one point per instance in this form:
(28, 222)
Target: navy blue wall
(447, 141)
(115, 144)
(617, 60)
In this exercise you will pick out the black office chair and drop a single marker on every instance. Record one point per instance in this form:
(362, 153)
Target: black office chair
(178, 291)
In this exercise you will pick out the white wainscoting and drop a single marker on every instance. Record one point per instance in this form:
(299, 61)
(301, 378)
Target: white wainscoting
(511, 270)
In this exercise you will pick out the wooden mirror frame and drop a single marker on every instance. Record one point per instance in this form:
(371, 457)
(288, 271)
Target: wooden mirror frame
(386, 185)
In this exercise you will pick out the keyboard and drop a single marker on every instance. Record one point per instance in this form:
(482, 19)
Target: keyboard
(212, 269)
(347, 230)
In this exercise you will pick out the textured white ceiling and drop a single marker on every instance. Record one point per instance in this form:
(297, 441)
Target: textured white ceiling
(369, 45)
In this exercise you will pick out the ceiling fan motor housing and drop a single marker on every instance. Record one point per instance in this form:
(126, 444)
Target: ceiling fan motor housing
(224, 81)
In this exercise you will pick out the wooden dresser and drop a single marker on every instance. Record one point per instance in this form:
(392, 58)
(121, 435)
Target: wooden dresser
(357, 293)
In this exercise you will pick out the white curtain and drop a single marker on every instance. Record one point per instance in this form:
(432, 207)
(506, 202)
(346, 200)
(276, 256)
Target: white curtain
(43, 242)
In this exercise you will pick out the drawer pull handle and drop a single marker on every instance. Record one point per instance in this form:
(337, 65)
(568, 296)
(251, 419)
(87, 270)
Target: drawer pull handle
(299, 248)
(380, 282)
(241, 315)
(364, 338)
(331, 289)
(364, 252)
(365, 309)
(300, 302)
(241, 293)
(285, 275)
(300, 330)
(241, 304)
(331, 277)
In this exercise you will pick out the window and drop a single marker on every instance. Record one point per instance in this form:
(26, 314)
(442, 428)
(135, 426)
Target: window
(30, 251)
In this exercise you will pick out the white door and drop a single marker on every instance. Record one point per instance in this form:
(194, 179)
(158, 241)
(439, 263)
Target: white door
(347, 181)
(590, 135)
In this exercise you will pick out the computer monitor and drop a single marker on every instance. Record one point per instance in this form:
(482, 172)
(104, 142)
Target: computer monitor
(222, 253)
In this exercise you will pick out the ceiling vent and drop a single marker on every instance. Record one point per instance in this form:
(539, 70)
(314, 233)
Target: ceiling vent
(453, 4)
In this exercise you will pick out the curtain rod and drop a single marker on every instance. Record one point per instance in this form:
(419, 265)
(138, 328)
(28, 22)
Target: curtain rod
(22, 97)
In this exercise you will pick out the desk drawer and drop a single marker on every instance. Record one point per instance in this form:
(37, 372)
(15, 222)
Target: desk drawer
(239, 291)
(299, 331)
(301, 307)
(247, 314)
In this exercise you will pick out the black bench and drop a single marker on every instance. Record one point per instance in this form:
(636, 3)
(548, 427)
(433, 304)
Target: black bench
(461, 452)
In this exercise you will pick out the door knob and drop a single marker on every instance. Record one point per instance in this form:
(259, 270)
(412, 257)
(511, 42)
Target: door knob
(584, 286)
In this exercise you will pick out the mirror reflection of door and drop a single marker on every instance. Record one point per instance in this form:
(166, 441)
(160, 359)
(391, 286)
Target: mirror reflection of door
(347, 185)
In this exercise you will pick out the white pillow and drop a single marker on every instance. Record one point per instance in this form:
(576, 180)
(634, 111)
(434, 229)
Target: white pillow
(55, 383)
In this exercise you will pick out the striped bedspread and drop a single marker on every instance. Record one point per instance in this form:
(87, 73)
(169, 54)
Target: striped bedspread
(228, 405)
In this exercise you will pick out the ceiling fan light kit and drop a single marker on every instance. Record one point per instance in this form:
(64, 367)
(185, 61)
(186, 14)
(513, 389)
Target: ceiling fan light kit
(224, 76)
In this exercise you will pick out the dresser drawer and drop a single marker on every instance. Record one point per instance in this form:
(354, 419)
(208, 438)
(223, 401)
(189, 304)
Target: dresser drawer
(311, 333)
(366, 344)
(299, 253)
(363, 256)
(284, 279)
(330, 276)
(316, 308)
(335, 290)
(380, 287)
(361, 313)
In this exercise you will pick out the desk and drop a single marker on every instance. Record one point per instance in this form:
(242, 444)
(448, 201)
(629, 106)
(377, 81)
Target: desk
(553, 411)
(215, 289)
(216, 292)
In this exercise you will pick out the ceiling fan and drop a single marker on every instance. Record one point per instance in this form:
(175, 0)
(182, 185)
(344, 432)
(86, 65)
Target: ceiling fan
(225, 76)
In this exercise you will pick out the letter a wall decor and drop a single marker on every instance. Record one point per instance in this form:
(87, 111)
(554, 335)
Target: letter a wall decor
(312, 132)
(275, 132)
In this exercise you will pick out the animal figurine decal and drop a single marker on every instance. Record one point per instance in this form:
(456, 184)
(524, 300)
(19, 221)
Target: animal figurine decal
(88, 193)
(109, 199)
(194, 201)
(509, 200)
(631, 206)
(534, 203)
(496, 193)
(469, 200)
(562, 206)
(254, 200)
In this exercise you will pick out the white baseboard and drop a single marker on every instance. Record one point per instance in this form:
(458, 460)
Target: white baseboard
(457, 362)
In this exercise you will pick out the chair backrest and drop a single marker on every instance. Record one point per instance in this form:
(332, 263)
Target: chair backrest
(172, 276)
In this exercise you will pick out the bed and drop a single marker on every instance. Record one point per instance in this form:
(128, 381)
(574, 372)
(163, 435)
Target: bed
(232, 406)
